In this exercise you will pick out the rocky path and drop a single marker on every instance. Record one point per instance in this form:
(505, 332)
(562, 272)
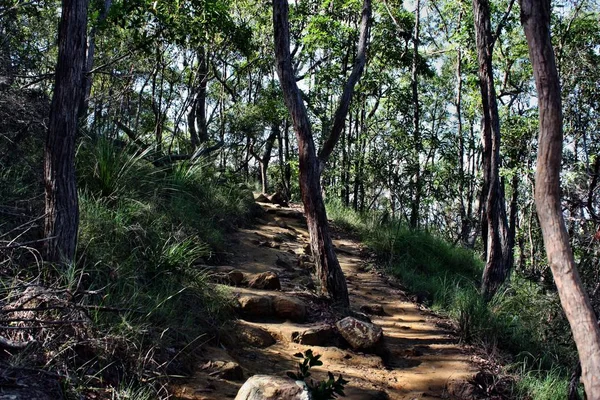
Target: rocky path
(280, 315)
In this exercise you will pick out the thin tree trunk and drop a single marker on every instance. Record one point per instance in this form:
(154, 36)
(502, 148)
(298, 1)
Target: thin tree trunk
(265, 158)
(417, 184)
(191, 121)
(200, 100)
(62, 211)
(498, 252)
(89, 61)
(329, 271)
(535, 17)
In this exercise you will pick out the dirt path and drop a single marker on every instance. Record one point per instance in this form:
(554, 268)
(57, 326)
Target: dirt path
(423, 361)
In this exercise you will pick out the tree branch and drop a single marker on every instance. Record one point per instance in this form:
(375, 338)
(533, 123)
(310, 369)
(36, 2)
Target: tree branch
(339, 118)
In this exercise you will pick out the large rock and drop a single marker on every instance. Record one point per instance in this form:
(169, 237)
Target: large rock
(265, 280)
(256, 306)
(461, 389)
(278, 198)
(265, 387)
(289, 308)
(253, 335)
(323, 335)
(235, 277)
(261, 198)
(228, 370)
(359, 334)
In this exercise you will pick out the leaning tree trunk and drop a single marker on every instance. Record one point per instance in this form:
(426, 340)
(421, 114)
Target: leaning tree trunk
(498, 251)
(535, 17)
(329, 271)
(62, 213)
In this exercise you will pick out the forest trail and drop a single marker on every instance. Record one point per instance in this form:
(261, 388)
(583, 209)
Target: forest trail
(423, 358)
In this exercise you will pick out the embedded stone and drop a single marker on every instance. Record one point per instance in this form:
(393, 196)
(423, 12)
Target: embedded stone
(254, 335)
(323, 335)
(359, 334)
(289, 308)
(255, 306)
(266, 387)
(265, 280)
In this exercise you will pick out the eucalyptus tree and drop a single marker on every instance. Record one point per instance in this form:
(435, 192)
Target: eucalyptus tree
(536, 16)
(329, 271)
(495, 222)
(62, 211)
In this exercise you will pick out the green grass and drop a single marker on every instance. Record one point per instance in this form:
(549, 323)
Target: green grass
(145, 234)
(144, 231)
(523, 319)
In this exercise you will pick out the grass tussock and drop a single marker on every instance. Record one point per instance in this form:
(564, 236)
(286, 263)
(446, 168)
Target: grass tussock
(523, 320)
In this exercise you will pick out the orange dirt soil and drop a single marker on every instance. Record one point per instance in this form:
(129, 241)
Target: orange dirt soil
(424, 358)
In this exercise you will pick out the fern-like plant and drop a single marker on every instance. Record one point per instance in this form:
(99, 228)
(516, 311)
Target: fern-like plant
(327, 389)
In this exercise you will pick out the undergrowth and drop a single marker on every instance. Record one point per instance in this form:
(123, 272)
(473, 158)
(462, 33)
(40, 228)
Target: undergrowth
(523, 319)
(146, 235)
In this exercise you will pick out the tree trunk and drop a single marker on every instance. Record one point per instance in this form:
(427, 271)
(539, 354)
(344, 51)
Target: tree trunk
(535, 17)
(200, 100)
(329, 271)
(417, 184)
(87, 79)
(191, 121)
(498, 252)
(62, 212)
(264, 160)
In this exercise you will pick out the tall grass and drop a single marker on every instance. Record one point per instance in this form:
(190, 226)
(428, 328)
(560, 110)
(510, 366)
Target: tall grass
(144, 234)
(523, 319)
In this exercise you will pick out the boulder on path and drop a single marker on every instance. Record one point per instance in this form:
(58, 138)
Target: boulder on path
(359, 334)
(266, 387)
(461, 389)
(322, 335)
(289, 308)
(255, 306)
(278, 198)
(253, 335)
(265, 280)
(235, 277)
(261, 198)
(227, 370)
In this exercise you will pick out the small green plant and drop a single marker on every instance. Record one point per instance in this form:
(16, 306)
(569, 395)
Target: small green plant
(327, 389)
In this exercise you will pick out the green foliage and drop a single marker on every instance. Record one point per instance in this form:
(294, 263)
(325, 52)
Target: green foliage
(523, 318)
(144, 234)
(543, 384)
(327, 389)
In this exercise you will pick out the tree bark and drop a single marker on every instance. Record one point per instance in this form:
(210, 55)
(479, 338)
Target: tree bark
(329, 272)
(535, 17)
(62, 212)
(200, 100)
(495, 232)
(417, 183)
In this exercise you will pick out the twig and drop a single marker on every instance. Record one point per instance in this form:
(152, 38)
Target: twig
(24, 244)
(13, 345)
(41, 321)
